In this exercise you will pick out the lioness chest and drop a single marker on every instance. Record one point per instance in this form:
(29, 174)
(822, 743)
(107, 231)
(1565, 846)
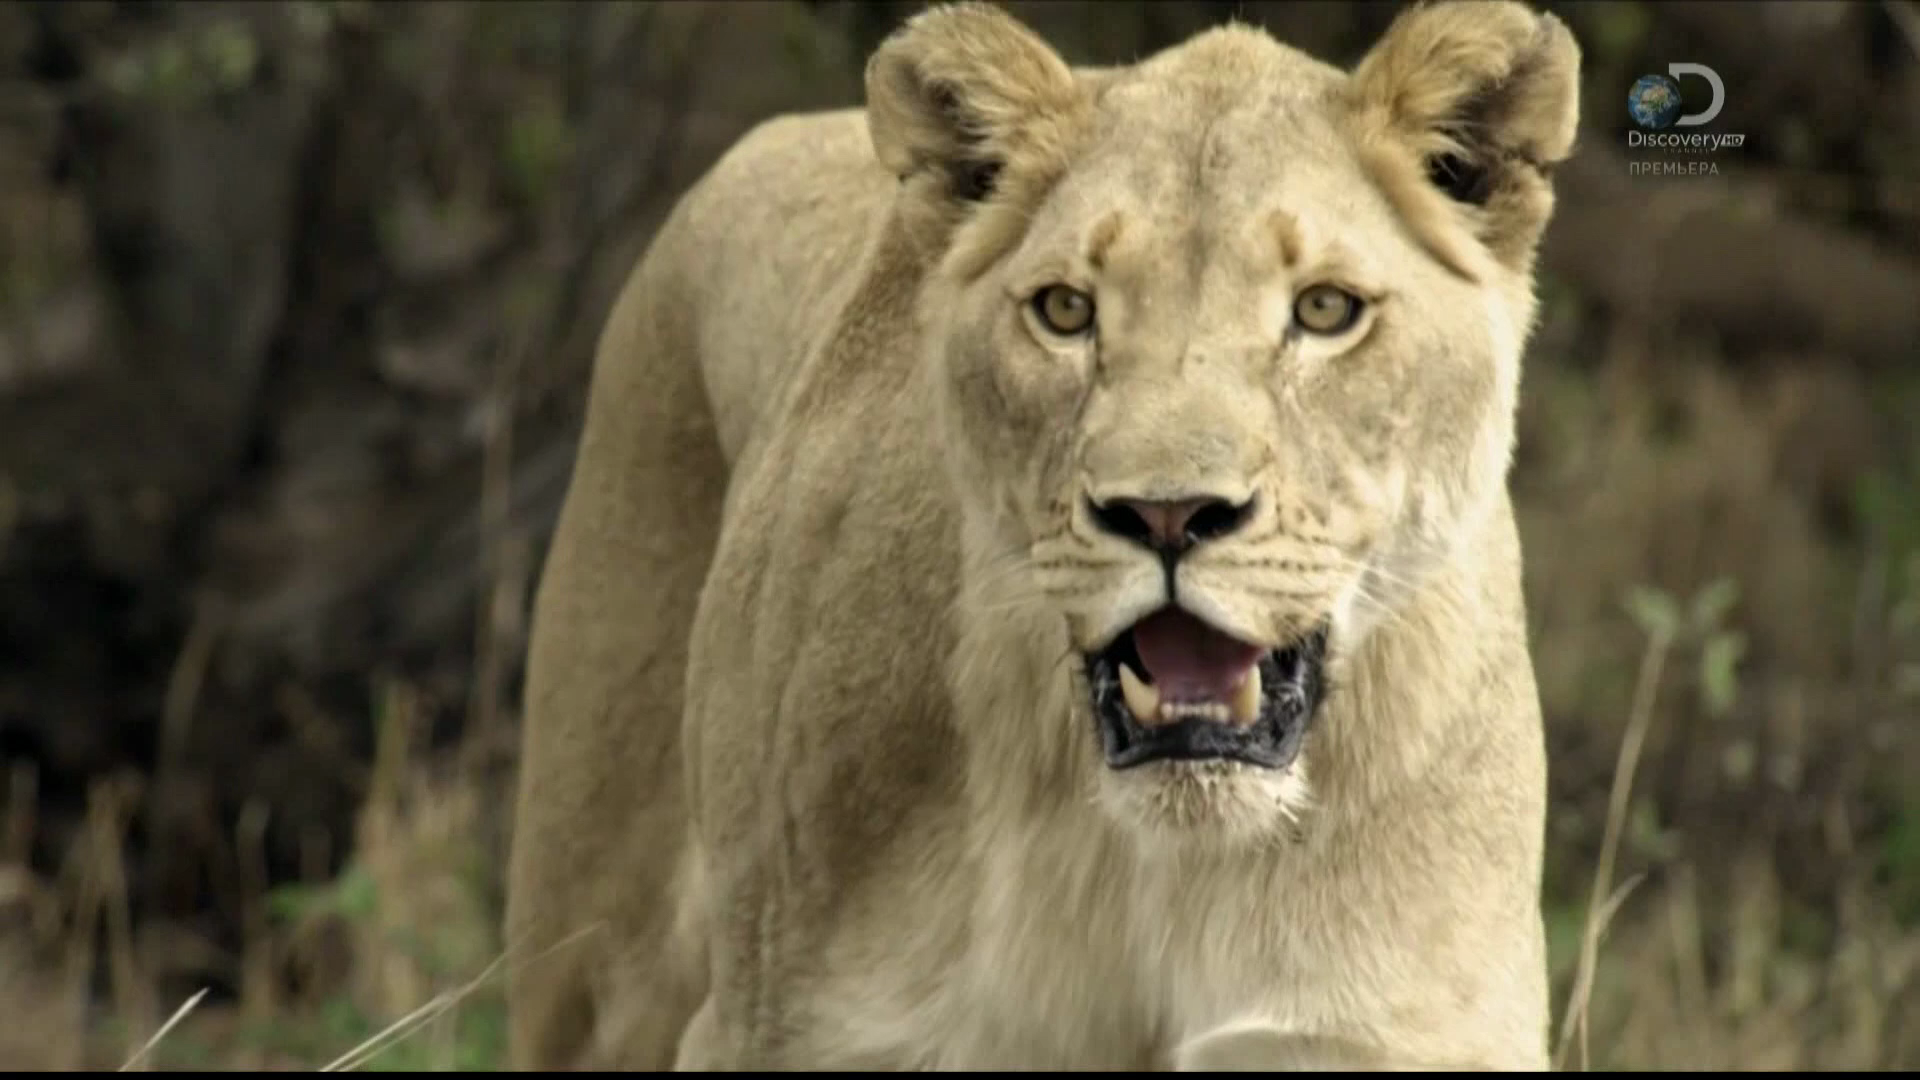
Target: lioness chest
(1061, 949)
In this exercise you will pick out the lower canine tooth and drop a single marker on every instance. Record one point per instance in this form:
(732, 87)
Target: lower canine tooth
(1142, 700)
(1246, 703)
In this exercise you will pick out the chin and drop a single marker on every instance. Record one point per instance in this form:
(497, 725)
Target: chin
(1206, 804)
(1201, 733)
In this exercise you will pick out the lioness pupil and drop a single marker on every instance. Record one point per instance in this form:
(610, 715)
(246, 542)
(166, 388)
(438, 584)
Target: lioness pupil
(1325, 309)
(1065, 311)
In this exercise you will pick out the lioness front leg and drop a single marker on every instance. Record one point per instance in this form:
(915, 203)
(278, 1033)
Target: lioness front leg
(699, 1049)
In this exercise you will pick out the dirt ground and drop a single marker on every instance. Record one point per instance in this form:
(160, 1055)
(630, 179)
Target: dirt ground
(296, 306)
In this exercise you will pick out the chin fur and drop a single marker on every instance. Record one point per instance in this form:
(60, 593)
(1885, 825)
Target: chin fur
(1214, 803)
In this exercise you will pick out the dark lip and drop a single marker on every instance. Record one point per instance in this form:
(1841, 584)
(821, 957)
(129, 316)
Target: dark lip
(1292, 687)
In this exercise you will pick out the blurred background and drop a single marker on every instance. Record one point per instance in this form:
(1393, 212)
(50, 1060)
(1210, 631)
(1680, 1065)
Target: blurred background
(297, 307)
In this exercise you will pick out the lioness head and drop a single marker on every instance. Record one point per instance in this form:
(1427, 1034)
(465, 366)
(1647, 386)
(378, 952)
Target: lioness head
(1227, 346)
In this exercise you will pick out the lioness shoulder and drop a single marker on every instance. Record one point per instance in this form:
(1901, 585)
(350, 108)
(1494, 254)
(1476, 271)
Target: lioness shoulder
(1038, 587)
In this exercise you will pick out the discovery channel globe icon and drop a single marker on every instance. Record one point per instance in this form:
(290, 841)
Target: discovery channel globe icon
(1654, 102)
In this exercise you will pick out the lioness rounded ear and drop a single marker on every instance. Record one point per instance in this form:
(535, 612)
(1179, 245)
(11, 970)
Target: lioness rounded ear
(959, 90)
(1483, 97)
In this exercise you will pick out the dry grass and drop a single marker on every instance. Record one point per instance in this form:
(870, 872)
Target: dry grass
(1772, 832)
(414, 832)
(405, 933)
(1602, 904)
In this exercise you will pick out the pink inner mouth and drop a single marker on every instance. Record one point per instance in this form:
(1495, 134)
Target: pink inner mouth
(1189, 661)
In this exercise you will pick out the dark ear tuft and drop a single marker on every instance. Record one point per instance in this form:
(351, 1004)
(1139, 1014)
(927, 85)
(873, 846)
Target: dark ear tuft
(972, 171)
(961, 91)
(1463, 179)
(1471, 102)
(972, 181)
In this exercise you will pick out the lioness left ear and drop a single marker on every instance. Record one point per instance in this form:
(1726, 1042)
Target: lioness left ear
(1475, 100)
(963, 91)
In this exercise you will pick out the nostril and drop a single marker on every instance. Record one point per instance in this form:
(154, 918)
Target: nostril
(1169, 525)
(1120, 519)
(1217, 518)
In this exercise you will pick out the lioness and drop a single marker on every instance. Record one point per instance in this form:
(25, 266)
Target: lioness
(1039, 588)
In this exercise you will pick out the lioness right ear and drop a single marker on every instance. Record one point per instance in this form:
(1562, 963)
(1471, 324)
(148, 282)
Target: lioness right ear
(965, 95)
(1472, 102)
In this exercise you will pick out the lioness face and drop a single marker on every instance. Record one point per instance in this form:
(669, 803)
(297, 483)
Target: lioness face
(1218, 408)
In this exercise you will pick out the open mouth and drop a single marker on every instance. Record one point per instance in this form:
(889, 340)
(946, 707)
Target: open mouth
(1172, 687)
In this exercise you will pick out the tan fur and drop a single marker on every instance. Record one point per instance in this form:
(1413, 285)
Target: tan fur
(810, 779)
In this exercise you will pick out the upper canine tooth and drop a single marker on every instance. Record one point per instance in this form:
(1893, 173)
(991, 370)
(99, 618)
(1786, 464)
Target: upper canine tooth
(1246, 703)
(1142, 700)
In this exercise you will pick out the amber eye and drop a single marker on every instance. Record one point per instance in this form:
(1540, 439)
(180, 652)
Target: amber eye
(1324, 309)
(1065, 311)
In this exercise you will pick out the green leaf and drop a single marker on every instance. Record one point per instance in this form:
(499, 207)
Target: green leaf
(352, 895)
(289, 902)
(1655, 611)
(1646, 835)
(1619, 29)
(341, 1019)
(170, 73)
(357, 894)
(1739, 760)
(538, 144)
(1906, 681)
(1713, 602)
(233, 55)
(1719, 670)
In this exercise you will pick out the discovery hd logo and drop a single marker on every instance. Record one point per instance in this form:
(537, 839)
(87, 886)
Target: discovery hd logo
(1655, 105)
